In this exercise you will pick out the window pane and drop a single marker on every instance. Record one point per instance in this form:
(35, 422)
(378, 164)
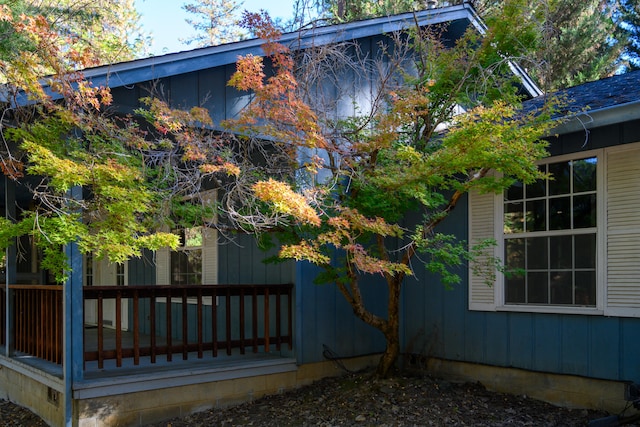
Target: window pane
(585, 250)
(176, 257)
(515, 192)
(561, 289)
(584, 175)
(537, 292)
(194, 261)
(584, 211)
(561, 250)
(120, 275)
(513, 218)
(586, 288)
(515, 290)
(186, 267)
(560, 213)
(514, 253)
(536, 215)
(193, 237)
(539, 187)
(537, 253)
(560, 178)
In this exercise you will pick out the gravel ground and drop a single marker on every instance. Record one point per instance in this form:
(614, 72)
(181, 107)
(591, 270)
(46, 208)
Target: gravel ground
(359, 399)
(14, 415)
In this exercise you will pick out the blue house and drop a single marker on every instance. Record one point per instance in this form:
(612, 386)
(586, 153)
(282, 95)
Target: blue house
(211, 324)
(204, 326)
(567, 330)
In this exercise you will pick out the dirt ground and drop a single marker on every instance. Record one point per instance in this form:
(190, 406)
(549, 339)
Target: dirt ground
(360, 400)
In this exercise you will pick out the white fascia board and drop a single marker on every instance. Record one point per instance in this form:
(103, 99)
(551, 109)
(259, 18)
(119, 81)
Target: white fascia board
(136, 71)
(600, 117)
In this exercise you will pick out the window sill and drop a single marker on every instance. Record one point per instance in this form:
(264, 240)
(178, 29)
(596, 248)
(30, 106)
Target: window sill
(555, 309)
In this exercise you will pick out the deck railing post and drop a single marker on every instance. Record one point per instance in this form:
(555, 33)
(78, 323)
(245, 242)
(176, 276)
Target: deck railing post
(185, 326)
(136, 328)
(242, 325)
(266, 325)
(118, 326)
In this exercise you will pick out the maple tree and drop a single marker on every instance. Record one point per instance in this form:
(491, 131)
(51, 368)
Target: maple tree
(107, 182)
(442, 121)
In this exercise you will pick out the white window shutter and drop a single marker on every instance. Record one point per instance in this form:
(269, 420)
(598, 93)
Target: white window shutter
(107, 273)
(623, 233)
(163, 266)
(210, 246)
(482, 226)
(210, 257)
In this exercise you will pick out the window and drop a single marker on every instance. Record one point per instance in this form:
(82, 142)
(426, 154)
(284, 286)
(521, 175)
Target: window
(88, 269)
(573, 240)
(120, 274)
(186, 262)
(550, 235)
(195, 262)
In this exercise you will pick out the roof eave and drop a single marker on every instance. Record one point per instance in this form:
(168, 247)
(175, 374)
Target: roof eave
(591, 119)
(148, 69)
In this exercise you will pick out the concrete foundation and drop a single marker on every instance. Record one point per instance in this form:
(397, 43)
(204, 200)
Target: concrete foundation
(562, 390)
(33, 389)
(109, 407)
(141, 398)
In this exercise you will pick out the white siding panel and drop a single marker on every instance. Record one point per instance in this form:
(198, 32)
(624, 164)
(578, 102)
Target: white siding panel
(623, 233)
(481, 227)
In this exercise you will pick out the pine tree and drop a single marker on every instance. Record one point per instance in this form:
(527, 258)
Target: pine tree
(629, 22)
(582, 40)
(215, 22)
(111, 28)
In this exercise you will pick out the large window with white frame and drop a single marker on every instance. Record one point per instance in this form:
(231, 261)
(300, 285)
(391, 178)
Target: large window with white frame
(550, 231)
(569, 243)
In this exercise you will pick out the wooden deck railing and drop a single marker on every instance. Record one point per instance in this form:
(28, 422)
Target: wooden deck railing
(198, 320)
(3, 316)
(38, 321)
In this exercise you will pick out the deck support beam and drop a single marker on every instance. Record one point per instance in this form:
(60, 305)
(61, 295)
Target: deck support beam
(10, 270)
(74, 323)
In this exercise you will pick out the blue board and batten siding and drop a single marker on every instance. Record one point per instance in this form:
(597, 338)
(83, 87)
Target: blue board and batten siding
(322, 317)
(437, 322)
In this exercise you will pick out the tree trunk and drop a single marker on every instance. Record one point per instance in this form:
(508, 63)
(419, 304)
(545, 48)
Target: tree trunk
(391, 353)
(390, 327)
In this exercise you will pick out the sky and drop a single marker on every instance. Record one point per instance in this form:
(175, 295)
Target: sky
(165, 20)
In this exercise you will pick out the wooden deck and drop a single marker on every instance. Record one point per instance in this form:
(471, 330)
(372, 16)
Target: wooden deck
(162, 363)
